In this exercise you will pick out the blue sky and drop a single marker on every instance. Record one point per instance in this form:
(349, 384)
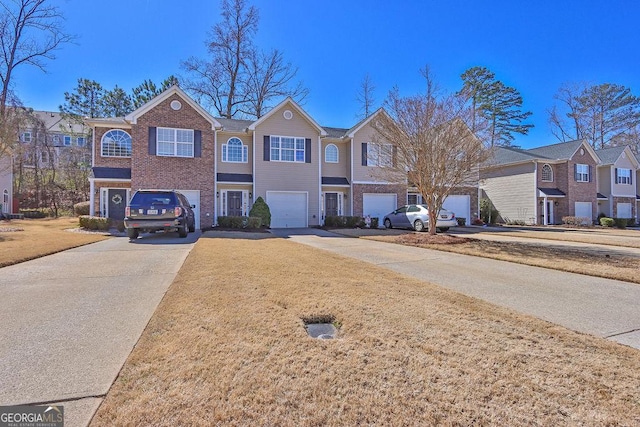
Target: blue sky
(534, 46)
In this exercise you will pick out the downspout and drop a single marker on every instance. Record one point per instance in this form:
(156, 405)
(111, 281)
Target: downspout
(535, 191)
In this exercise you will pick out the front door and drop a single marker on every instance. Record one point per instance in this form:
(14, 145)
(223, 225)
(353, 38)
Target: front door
(234, 203)
(117, 201)
(550, 219)
(331, 204)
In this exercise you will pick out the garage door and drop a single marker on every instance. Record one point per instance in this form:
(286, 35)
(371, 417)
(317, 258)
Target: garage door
(584, 209)
(193, 196)
(459, 205)
(378, 205)
(624, 210)
(288, 209)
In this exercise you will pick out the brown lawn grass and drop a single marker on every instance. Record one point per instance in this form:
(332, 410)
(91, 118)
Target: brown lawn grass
(593, 263)
(227, 346)
(601, 236)
(22, 240)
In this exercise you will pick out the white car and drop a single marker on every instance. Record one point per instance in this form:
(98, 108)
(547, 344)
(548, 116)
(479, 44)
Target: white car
(416, 217)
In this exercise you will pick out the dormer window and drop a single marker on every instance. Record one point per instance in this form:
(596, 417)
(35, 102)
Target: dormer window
(547, 173)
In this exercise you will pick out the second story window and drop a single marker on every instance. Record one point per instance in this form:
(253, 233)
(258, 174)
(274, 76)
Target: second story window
(547, 173)
(379, 154)
(287, 149)
(67, 140)
(234, 151)
(582, 173)
(25, 137)
(623, 176)
(116, 143)
(331, 153)
(175, 142)
(81, 141)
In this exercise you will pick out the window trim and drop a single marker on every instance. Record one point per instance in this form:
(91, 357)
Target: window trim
(175, 142)
(542, 173)
(582, 176)
(83, 139)
(619, 177)
(337, 155)
(244, 151)
(378, 160)
(295, 149)
(66, 141)
(113, 155)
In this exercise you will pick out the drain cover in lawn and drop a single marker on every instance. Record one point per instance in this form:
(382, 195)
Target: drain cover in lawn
(323, 331)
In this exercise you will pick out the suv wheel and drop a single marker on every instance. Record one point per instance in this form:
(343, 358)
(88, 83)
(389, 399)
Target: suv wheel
(183, 231)
(192, 227)
(133, 233)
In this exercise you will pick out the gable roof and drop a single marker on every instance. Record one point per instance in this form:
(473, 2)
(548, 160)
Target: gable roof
(559, 151)
(611, 155)
(362, 123)
(173, 90)
(234, 125)
(555, 152)
(288, 100)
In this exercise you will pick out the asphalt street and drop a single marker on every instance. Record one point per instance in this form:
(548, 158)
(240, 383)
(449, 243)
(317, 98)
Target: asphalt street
(70, 320)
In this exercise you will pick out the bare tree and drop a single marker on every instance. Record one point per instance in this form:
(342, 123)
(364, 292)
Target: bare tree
(430, 144)
(30, 32)
(217, 80)
(269, 77)
(365, 98)
(602, 114)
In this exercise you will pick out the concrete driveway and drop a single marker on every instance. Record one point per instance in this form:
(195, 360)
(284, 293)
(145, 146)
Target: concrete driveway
(601, 307)
(69, 320)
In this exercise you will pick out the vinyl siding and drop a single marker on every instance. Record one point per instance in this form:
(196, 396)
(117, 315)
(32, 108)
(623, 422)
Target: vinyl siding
(6, 181)
(289, 176)
(604, 176)
(622, 190)
(365, 173)
(226, 167)
(511, 189)
(336, 169)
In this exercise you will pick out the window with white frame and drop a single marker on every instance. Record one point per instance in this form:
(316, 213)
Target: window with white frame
(174, 142)
(116, 143)
(80, 141)
(234, 151)
(331, 154)
(547, 173)
(25, 137)
(623, 176)
(67, 140)
(56, 140)
(582, 173)
(379, 154)
(287, 149)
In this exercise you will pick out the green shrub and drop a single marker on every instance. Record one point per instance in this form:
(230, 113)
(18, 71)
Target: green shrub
(261, 209)
(461, 221)
(94, 223)
(352, 221)
(81, 208)
(488, 213)
(621, 222)
(606, 222)
(254, 222)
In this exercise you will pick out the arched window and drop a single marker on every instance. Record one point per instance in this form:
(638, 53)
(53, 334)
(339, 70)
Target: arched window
(547, 173)
(234, 151)
(116, 143)
(331, 154)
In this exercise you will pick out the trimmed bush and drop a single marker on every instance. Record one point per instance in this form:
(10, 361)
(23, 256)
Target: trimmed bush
(239, 222)
(254, 222)
(461, 221)
(352, 221)
(81, 208)
(607, 222)
(621, 222)
(488, 213)
(261, 209)
(576, 221)
(34, 213)
(94, 223)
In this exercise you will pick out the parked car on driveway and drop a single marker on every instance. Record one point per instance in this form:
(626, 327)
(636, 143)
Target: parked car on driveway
(156, 210)
(416, 217)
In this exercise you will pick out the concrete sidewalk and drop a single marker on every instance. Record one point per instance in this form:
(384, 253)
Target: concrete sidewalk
(601, 307)
(70, 320)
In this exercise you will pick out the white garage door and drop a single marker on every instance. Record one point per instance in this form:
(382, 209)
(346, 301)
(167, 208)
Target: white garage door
(584, 209)
(624, 210)
(288, 209)
(193, 196)
(378, 205)
(459, 205)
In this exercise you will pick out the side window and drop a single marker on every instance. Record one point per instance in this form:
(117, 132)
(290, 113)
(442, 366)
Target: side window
(402, 210)
(413, 208)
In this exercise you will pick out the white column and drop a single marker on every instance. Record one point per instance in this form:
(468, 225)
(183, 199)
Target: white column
(92, 198)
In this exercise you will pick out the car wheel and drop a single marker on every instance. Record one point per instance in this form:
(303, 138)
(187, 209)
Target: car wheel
(192, 227)
(418, 225)
(387, 223)
(133, 233)
(183, 231)
(443, 229)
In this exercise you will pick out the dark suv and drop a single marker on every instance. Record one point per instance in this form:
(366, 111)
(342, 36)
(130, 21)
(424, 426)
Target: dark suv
(155, 210)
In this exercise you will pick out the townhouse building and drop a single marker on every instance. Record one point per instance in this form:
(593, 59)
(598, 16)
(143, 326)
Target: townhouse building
(304, 171)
